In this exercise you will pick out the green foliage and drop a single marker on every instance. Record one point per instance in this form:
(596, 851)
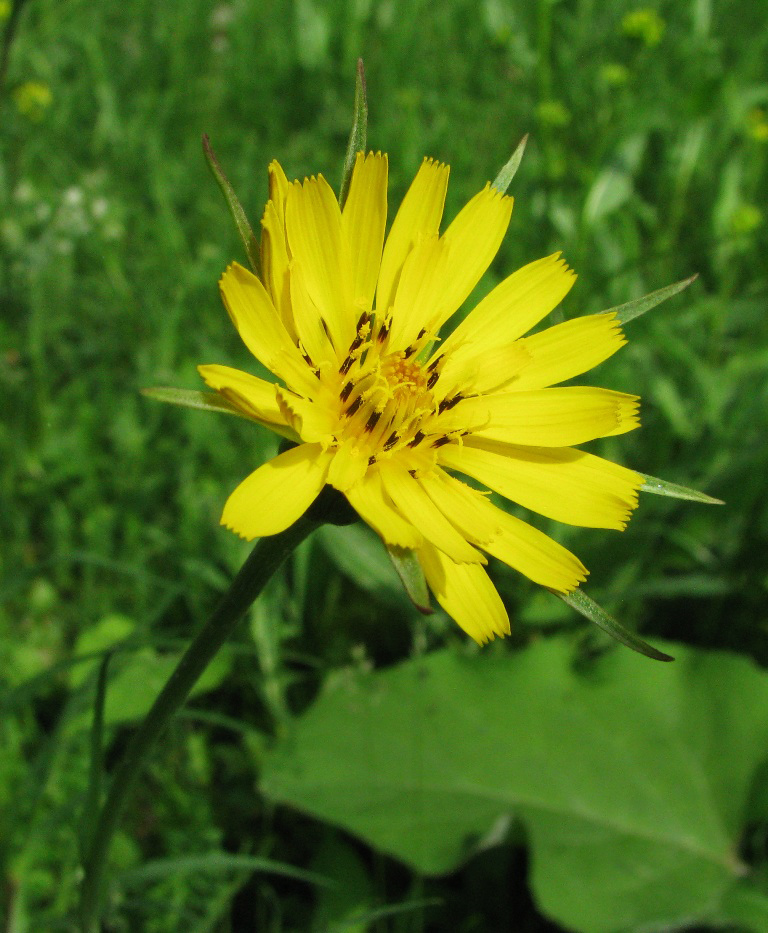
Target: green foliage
(633, 795)
(645, 164)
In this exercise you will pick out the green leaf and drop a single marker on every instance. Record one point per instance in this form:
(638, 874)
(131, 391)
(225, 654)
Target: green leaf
(661, 487)
(582, 603)
(96, 763)
(210, 401)
(242, 223)
(412, 576)
(631, 779)
(508, 172)
(638, 306)
(358, 552)
(216, 863)
(359, 134)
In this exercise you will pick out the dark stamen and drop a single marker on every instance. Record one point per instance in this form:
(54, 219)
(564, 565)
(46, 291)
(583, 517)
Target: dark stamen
(448, 403)
(391, 441)
(373, 420)
(346, 391)
(363, 320)
(432, 379)
(355, 344)
(441, 441)
(346, 366)
(417, 438)
(383, 332)
(354, 406)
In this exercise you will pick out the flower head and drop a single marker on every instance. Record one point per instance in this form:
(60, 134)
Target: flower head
(385, 411)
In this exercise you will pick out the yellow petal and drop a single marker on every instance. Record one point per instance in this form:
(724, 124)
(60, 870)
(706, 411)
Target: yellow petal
(466, 508)
(415, 505)
(313, 222)
(419, 217)
(311, 421)
(483, 372)
(471, 242)
(512, 308)
(375, 508)
(362, 222)
(279, 186)
(348, 466)
(554, 417)
(259, 325)
(567, 350)
(278, 493)
(413, 302)
(466, 593)
(565, 484)
(274, 264)
(309, 324)
(253, 395)
(536, 555)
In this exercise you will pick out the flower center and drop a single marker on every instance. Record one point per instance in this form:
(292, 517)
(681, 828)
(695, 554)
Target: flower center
(385, 398)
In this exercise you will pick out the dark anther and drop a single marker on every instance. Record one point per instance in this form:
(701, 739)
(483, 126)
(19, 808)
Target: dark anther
(433, 377)
(354, 406)
(421, 333)
(363, 320)
(391, 441)
(441, 441)
(346, 366)
(355, 344)
(371, 461)
(345, 392)
(417, 438)
(434, 363)
(383, 331)
(373, 420)
(448, 403)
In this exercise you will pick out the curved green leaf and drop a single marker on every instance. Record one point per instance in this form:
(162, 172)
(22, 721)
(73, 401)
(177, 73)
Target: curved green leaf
(242, 223)
(582, 603)
(409, 570)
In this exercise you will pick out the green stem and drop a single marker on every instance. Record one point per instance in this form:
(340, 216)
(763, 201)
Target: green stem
(266, 557)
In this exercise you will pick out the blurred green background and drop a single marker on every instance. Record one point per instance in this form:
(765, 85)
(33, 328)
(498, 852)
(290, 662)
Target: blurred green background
(549, 782)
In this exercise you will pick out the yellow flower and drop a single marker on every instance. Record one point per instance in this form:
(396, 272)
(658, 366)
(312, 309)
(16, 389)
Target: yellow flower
(387, 413)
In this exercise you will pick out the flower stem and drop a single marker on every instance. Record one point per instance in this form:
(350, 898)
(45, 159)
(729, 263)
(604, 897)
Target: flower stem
(266, 557)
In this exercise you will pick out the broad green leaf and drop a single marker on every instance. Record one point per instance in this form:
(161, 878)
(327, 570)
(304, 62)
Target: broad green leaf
(631, 779)
(358, 136)
(661, 487)
(242, 223)
(638, 306)
(508, 172)
(412, 576)
(582, 603)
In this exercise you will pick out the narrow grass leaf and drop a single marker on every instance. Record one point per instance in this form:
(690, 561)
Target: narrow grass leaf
(96, 765)
(379, 913)
(661, 487)
(242, 223)
(508, 172)
(359, 134)
(218, 863)
(192, 398)
(638, 306)
(409, 570)
(582, 603)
